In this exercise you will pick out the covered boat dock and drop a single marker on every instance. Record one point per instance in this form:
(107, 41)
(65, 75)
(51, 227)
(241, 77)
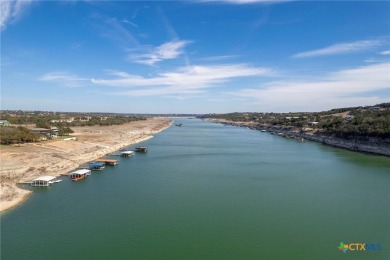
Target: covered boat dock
(110, 162)
(43, 181)
(127, 154)
(96, 166)
(141, 149)
(79, 174)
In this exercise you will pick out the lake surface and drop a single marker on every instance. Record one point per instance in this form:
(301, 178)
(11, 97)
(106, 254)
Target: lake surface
(208, 191)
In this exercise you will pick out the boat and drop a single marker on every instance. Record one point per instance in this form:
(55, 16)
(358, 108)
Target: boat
(179, 125)
(263, 130)
(77, 178)
(141, 149)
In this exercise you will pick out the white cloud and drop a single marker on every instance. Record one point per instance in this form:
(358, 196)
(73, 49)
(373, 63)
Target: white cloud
(65, 78)
(341, 48)
(166, 51)
(186, 80)
(10, 11)
(385, 52)
(337, 89)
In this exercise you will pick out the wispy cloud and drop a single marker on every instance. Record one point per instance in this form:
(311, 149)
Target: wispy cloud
(11, 11)
(246, 1)
(220, 57)
(186, 80)
(65, 78)
(341, 48)
(166, 51)
(385, 52)
(129, 22)
(349, 87)
(114, 30)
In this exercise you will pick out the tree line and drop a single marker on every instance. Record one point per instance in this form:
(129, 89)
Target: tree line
(358, 121)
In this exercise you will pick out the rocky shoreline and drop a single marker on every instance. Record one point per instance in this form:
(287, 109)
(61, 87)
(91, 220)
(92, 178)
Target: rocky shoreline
(374, 145)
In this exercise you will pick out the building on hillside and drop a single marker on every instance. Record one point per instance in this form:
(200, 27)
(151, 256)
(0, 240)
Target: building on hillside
(66, 120)
(44, 131)
(312, 123)
(4, 123)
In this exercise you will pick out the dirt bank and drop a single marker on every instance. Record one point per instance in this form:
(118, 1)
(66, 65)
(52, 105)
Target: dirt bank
(28, 161)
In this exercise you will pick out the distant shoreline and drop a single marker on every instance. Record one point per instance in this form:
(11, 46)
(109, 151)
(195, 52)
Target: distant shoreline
(372, 145)
(61, 157)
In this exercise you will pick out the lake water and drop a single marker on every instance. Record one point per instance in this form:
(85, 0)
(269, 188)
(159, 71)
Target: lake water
(208, 191)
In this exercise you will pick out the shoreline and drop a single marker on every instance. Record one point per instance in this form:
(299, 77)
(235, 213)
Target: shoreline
(58, 157)
(370, 145)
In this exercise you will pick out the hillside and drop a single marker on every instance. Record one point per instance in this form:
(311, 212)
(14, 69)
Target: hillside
(364, 129)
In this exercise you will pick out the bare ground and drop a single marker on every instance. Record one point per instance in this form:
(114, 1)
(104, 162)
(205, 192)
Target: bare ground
(29, 161)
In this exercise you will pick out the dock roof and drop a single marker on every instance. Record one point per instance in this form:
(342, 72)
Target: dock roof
(81, 171)
(45, 178)
(106, 160)
(127, 152)
(96, 163)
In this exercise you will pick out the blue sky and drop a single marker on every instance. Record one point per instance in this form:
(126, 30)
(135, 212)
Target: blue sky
(194, 56)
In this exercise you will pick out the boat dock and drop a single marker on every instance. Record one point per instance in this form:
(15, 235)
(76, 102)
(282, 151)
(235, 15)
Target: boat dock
(79, 174)
(109, 162)
(96, 166)
(126, 154)
(141, 149)
(42, 181)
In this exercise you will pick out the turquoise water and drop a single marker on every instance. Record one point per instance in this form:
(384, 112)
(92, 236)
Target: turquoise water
(208, 191)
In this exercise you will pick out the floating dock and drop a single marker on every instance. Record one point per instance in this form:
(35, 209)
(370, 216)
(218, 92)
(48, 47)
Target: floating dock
(96, 166)
(79, 174)
(126, 154)
(43, 181)
(109, 162)
(141, 149)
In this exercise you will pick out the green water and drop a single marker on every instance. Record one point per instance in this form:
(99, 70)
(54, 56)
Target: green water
(207, 191)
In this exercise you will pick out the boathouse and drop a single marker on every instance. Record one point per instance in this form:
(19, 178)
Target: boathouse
(96, 166)
(127, 154)
(109, 162)
(79, 174)
(43, 181)
(142, 149)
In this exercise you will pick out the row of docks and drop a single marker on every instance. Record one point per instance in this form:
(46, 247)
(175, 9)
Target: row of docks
(79, 174)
